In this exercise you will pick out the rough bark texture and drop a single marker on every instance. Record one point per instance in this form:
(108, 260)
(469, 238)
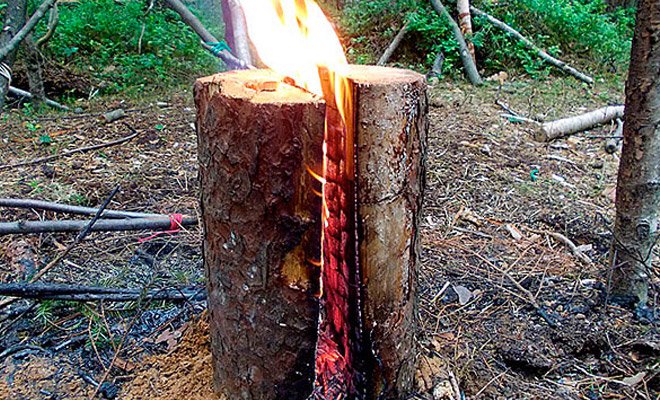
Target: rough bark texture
(15, 19)
(638, 185)
(262, 229)
(33, 61)
(391, 128)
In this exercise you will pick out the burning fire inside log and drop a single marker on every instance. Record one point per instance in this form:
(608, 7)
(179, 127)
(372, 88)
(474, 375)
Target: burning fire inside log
(311, 290)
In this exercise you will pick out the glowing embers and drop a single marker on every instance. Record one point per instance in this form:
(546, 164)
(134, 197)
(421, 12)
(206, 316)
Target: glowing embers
(338, 374)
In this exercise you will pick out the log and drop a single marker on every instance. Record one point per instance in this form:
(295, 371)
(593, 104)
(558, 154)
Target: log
(566, 126)
(47, 291)
(541, 53)
(132, 224)
(254, 132)
(23, 93)
(262, 222)
(66, 208)
(391, 130)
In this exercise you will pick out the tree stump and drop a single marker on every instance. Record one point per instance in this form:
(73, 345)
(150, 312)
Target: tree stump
(256, 137)
(262, 224)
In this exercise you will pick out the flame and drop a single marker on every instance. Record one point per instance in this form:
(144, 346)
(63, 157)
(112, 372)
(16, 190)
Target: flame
(294, 38)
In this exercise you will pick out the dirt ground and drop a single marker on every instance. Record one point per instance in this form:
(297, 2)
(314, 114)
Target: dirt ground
(507, 310)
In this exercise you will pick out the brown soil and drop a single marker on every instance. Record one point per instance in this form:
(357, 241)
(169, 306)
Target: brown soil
(487, 223)
(185, 373)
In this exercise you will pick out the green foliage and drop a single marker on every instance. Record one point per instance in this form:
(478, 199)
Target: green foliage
(571, 29)
(103, 36)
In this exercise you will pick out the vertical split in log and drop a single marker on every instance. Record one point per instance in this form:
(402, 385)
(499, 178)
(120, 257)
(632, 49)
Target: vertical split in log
(373, 190)
(263, 223)
(262, 230)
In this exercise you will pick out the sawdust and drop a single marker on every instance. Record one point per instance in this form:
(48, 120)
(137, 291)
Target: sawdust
(41, 378)
(186, 372)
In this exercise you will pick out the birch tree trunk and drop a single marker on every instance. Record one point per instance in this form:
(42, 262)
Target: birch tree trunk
(236, 30)
(638, 186)
(465, 23)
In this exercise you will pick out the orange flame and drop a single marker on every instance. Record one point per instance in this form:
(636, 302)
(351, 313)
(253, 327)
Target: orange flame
(294, 37)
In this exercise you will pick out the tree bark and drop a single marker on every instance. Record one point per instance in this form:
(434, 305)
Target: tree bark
(391, 129)
(35, 77)
(240, 42)
(466, 56)
(262, 222)
(465, 22)
(638, 184)
(566, 126)
(15, 19)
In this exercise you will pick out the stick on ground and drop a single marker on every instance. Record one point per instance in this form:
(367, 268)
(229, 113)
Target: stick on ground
(43, 291)
(81, 236)
(569, 125)
(130, 224)
(70, 152)
(79, 210)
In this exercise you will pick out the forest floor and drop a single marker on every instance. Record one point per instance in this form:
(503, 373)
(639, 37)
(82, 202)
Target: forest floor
(506, 311)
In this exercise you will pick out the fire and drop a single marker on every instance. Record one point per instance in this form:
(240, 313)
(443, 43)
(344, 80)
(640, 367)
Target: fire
(294, 38)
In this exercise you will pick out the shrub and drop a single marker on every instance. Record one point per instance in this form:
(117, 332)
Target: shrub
(581, 30)
(103, 36)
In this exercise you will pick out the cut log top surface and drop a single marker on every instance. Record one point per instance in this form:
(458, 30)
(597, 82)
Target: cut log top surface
(258, 86)
(376, 75)
(267, 86)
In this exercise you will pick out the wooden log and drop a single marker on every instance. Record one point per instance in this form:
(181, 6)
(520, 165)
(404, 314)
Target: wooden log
(566, 126)
(262, 223)
(391, 128)
(255, 132)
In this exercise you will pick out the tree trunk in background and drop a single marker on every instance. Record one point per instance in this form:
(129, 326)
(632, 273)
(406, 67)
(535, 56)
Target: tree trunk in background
(465, 22)
(236, 30)
(638, 185)
(35, 78)
(15, 19)
(466, 58)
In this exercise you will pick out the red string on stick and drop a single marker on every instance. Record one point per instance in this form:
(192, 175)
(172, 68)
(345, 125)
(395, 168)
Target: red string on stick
(175, 227)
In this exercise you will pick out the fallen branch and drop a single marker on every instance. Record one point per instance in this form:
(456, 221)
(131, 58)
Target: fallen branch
(566, 241)
(53, 20)
(191, 20)
(466, 56)
(393, 46)
(43, 291)
(23, 93)
(541, 53)
(132, 224)
(66, 208)
(81, 236)
(567, 126)
(27, 28)
(70, 152)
